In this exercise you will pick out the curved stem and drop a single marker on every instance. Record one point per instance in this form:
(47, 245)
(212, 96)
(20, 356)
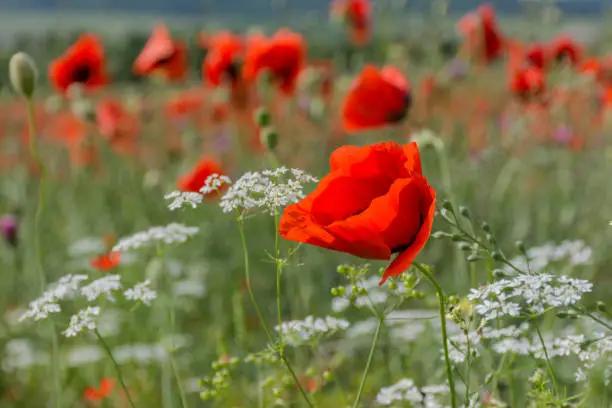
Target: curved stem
(279, 270)
(441, 299)
(551, 372)
(116, 365)
(40, 206)
(247, 273)
(364, 377)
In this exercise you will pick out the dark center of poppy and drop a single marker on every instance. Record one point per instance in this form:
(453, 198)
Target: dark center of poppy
(400, 115)
(233, 71)
(81, 73)
(165, 61)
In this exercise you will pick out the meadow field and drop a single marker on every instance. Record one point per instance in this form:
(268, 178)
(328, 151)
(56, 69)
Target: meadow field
(374, 210)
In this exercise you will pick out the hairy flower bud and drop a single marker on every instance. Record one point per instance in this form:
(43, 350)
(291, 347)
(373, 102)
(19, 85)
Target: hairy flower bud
(23, 74)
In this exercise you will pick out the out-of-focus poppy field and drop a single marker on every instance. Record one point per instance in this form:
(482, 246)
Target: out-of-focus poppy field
(334, 213)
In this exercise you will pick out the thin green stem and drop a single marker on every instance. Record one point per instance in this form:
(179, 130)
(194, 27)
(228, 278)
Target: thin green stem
(40, 206)
(366, 371)
(551, 372)
(173, 365)
(441, 299)
(247, 273)
(511, 385)
(117, 368)
(279, 271)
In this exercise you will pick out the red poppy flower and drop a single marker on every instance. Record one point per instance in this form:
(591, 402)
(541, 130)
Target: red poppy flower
(106, 262)
(162, 56)
(376, 98)
(527, 83)
(375, 202)
(600, 69)
(185, 104)
(358, 15)
(195, 179)
(535, 55)
(223, 59)
(565, 48)
(482, 33)
(82, 63)
(100, 393)
(117, 125)
(282, 56)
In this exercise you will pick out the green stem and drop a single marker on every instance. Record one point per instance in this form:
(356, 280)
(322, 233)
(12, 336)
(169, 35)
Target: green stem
(364, 376)
(247, 273)
(116, 365)
(173, 365)
(40, 206)
(551, 372)
(279, 270)
(441, 299)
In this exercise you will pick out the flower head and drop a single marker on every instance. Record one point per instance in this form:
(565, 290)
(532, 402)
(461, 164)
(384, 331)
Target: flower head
(162, 56)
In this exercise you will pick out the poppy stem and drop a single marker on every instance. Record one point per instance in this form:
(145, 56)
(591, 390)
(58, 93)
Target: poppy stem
(281, 350)
(116, 365)
(442, 299)
(551, 372)
(364, 377)
(40, 206)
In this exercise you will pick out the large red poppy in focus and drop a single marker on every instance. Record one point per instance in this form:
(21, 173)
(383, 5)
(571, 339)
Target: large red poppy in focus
(375, 202)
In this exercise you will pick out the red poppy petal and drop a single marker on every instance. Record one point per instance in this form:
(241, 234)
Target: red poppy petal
(405, 259)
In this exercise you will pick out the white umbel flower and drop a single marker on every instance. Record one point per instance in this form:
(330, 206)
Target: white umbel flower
(102, 286)
(188, 198)
(270, 190)
(85, 320)
(301, 331)
(141, 292)
(47, 303)
(170, 234)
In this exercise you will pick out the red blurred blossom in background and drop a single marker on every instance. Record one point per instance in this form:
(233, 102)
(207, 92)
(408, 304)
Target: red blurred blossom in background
(163, 56)
(482, 34)
(106, 262)
(376, 99)
(83, 63)
(100, 393)
(118, 126)
(527, 83)
(281, 56)
(357, 14)
(196, 178)
(565, 48)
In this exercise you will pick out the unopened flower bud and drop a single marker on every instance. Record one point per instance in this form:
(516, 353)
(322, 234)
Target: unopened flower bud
(23, 74)
(520, 246)
(262, 117)
(269, 137)
(464, 212)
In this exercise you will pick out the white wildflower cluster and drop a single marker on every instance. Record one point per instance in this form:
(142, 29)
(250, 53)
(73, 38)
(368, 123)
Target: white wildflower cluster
(189, 198)
(141, 292)
(297, 332)
(48, 302)
(373, 294)
(572, 253)
(84, 320)
(104, 286)
(530, 293)
(405, 390)
(83, 355)
(270, 190)
(458, 342)
(170, 234)
(597, 353)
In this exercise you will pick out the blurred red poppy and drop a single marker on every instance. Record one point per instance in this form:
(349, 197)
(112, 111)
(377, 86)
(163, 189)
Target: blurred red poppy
(106, 262)
(184, 104)
(482, 33)
(281, 56)
(223, 60)
(565, 48)
(376, 98)
(102, 392)
(535, 55)
(117, 125)
(375, 202)
(196, 178)
(83, 63)
(357, 14)
(527, 83)
(162, 56)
